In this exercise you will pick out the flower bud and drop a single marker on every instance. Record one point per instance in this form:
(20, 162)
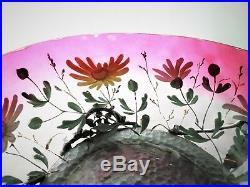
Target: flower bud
(213, 70)
(22, 73)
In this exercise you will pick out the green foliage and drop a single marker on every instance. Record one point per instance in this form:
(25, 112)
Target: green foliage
(35, 123)
(144, 122)
(190, 98)
(89, 98)
(132, 85)
(190, 95)
(192, 135)
(218, 122)
(7, 179)
(33, 100)
(144, 103)
(71, 124)
(97, 105)
(47, 89)
(242, 178)
(74, 107)
(124, 105)
(176, 101)
(35, 177)
(40, 156)
(238, 152)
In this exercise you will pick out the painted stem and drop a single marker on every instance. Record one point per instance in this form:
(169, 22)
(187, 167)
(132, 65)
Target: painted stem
(21, 156)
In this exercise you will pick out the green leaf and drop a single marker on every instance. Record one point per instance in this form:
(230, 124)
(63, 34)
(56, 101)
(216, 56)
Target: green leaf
(218, 123)
(238, 152)
(40, 156)
(42, 159)
(144, 122)
(190, 95)
(132, 85)
(192, 135)
(129, 113)
(216, 136)
(97, 105)
(194, 100)
(37, 151)
(124, 105)
(102, 99)
(7, 179)
(89, 98)
(47, 89)
(175, 100)
(143, 103)
(71, 124)
(35, 123)
(83, 122)
(74, 107)
(32, 99)
(35, 177)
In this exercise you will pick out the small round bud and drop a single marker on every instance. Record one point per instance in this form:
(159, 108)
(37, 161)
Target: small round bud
(213, 70)
(22, 73)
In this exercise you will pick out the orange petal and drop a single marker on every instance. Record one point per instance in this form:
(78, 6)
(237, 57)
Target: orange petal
(79, 77)
(119, 59)
(122, 65)
(12, 108)
(5, 108)
(91, 63)
(111, 62)
(121, 72)
(76, 68)
(83, 65)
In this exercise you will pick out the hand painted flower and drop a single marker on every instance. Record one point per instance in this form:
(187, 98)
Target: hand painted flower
(9, 123)
(172, 74)
(243, 111)
(93, 75)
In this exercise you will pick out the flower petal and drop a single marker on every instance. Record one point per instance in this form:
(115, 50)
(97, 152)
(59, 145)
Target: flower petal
(76, 68)
(170, 65)
(13, 126)
(121, 72)
(17, 113)
(162, 73)
(83, 65)
(164, 79)
(119, 59)
(185, 67)
(184, 74)
(235, 108)
(5, 108)
(11, 138)
(240, 118)
(177, 66)
(243, 101)
(79, 77)
(170, 72)
(91, 63)
(12, 108)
